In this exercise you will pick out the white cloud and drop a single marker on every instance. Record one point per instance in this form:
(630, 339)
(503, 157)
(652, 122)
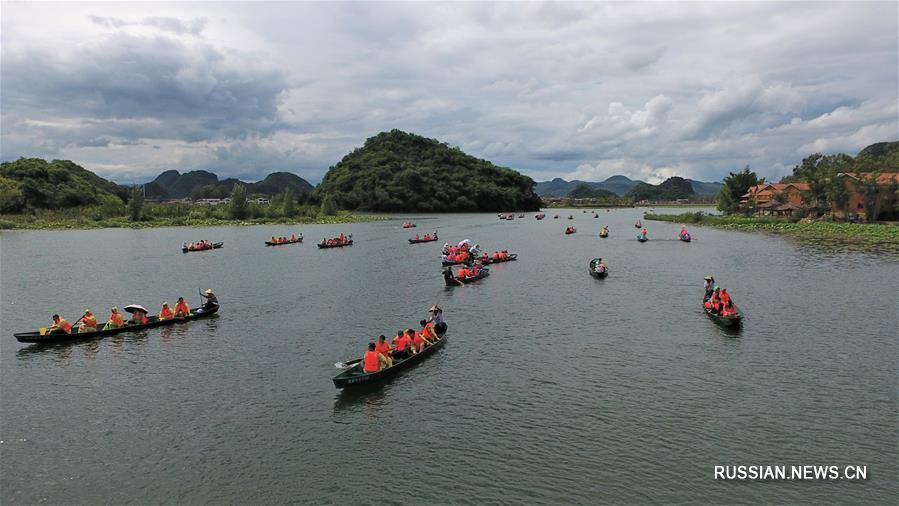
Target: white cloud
(585, 89)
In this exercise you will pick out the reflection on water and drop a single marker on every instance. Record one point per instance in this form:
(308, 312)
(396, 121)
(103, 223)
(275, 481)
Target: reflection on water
(620, 391)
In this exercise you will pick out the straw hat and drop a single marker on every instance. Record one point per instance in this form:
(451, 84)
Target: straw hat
(209, 290)
(708, 278)
(434, 308)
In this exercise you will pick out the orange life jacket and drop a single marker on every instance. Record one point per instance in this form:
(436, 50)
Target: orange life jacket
(64, 325)
(399, 343)
(165, 313)
(116, 319)
(181, 309)
(462, 273)
(707, 304)
(417, 340)
(370, 361)
(383, 348)
(89, 321)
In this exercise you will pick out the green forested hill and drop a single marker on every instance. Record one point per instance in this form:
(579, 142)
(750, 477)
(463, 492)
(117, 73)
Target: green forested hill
(399, 171)
(203, 184)
(33, 183)
(672, 188)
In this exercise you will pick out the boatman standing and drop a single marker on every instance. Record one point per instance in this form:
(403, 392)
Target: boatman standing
(709, 286)
(211, 301)
(435, 317)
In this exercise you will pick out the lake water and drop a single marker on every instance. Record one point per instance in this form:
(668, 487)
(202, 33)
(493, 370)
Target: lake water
(552, 388)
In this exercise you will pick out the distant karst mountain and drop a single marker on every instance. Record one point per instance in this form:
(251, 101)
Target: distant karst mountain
(203, 184)
(400, 171)
(619, 185)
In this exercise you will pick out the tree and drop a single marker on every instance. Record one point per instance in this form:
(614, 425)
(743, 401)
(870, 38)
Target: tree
(12, 200)
(870, 191)
(288, 204)
(329, 205)
(735, 186)
(136, 203)
(239, 208)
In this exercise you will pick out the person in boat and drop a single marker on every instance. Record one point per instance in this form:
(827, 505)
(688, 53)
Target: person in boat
(60, 326)
(723, 296)
(165, 313)
(435, 318)
(293, 237)
(419, 341)
(138, 318)
(115, 320)
(462, 273)
(181, 308)
(427, 331)
(211, 301)
(729, 310)
(600, 266)
(383, 349)
(88, 322)
(372, 361)
(400, 345)
(445, 250)
(708, 287)
(683, 231)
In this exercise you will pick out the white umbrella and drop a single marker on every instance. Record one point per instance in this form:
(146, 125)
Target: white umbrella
(135, 307)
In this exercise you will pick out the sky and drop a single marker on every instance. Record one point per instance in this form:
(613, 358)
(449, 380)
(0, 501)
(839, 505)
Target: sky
(572, 90)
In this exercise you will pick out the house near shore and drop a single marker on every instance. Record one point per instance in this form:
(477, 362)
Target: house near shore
(784, 199)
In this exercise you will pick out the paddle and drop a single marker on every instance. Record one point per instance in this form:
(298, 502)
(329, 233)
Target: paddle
(43, 330)
(345, 365)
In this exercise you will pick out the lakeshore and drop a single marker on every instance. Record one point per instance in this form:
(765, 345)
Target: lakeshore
(83, 221)
(862, 235)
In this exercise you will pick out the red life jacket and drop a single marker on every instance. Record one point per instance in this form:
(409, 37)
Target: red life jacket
(417, 340)
(399, 343)
(370, 361)
(65, 326)
(383, 348)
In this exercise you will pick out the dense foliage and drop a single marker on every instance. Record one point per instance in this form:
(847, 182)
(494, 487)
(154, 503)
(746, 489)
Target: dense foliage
(585, 191)
(673, 188)
(399, 171)
(735, 186)
(200, 184)
(33, 183)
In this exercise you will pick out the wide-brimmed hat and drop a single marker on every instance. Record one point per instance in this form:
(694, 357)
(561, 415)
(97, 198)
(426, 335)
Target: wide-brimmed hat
(708, 278)
(208, 290)
(87, 311)
(434, 308)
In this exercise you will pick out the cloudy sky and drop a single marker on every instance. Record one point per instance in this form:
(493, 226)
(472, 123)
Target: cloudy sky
(574, 90)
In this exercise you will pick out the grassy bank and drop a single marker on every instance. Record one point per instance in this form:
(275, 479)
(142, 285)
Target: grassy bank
(75, 219)
(874, 236)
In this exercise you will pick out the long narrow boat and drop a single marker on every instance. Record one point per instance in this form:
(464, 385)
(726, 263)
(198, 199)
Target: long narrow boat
(216, 245)
(685, 237)
(511, 258)
(592, 270)
(726, 321)
(452, 280)
(297, 240)
(450, 263)
(417, 241)
(354, 376)
(642, 238)
(324, 246)
(36, 337)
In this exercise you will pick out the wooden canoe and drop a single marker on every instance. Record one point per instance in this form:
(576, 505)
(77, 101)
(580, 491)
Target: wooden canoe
(324, 246)
(725, 321)
(216, 245)
(36, 337)
(452, 280)
(298, 239)
(487, 261)
(418, 241)
(354, 376)
(592, 270)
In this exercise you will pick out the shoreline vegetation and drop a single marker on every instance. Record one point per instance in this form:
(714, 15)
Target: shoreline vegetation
(84, 219)
(864, 235)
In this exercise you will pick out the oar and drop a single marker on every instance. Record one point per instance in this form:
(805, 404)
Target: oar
(345, 365)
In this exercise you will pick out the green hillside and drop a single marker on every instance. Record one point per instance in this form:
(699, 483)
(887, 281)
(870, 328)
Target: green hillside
(672, 188)
(33, 183)
(399, 171)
